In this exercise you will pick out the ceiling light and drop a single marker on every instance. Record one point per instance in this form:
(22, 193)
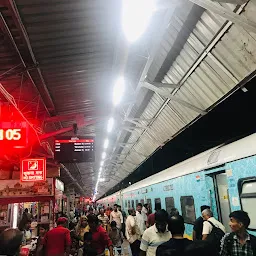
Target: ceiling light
(103, 155)
(106, 142)
(118, 91)
(101, 163)
(101, 180)
(100, 169)
(110, 124)
(136, 16)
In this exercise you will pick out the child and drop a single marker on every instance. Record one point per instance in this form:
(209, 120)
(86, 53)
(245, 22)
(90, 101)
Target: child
(116, 236)
(88, 250)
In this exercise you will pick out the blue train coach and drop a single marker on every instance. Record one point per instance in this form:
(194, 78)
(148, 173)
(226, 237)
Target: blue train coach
(223, 177)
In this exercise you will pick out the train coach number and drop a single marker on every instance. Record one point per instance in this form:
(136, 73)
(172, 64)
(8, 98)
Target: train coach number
(168, 187)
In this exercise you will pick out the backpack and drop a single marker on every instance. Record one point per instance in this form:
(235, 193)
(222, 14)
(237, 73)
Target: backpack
(230, 238)
(215, 236)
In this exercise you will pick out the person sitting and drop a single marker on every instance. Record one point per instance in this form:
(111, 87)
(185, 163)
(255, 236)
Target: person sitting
(10, 242)
(116, 237)
(239, 242)
(177, 243)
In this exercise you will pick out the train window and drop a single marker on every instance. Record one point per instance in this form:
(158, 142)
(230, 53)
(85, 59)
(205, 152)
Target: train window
(132, 203)
(136, 202)
(188, 209)
(129, 204)
(248, 200)
(125, 203)
(149, 205)
(142, 201)
(158, 203)
(169, 204)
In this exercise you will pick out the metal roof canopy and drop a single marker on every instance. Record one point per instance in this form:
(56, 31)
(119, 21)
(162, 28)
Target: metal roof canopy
(209, 66)
(66, 54)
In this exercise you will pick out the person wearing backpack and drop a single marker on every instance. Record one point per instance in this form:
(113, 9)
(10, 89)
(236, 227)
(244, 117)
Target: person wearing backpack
(239, 242)
(213, 230)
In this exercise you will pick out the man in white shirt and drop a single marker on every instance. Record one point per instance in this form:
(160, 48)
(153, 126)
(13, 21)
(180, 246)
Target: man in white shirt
(132, 232)
(207, 227)
(155, 235)
(116, 216)
(141, 218)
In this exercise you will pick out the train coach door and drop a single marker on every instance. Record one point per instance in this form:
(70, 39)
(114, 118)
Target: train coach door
(218, 195)
(222, 187)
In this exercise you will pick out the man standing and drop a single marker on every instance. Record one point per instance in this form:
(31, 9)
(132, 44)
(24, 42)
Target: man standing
(198, 225)
(104, 218)
(132, 232)
(141, 218)
(57, 241)
(239, 242)
(177, 243)
(155, 235)
(151, 217)
(209, 222)
(10, 241)
(100, 238)
(116, 216)
(124, 218)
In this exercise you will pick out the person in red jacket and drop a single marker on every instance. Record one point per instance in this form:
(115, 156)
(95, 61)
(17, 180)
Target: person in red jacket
(57, 241)
(100, 238)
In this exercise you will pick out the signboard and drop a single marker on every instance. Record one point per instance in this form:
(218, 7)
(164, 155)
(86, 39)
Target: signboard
(59, 185)
(33, 170)
(74, 149)
(16, 188)
(13, 134)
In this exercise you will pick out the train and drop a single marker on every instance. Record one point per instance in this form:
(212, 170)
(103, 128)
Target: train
(223, 177)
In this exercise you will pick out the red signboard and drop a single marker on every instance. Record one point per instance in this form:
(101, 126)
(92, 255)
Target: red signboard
(33, 169)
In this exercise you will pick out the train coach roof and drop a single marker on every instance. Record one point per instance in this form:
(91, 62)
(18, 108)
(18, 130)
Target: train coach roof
(211, 158)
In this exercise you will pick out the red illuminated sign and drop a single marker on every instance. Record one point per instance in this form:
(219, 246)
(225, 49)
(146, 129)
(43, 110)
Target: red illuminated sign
(13, 134)
(33, 169)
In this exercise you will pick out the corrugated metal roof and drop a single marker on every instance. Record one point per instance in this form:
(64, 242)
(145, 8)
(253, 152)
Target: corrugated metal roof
(77, 51)
(216, 56)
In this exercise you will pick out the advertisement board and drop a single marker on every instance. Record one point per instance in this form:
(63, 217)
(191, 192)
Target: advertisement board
(16, 188)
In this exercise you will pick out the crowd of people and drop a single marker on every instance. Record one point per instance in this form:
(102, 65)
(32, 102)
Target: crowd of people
(91, 232)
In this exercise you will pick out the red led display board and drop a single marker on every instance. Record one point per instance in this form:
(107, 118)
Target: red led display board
(13, 134)
(33, 169)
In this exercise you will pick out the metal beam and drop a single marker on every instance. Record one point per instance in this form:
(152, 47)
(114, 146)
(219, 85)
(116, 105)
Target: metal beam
(64, 130)
(61, 118)
(240, 2)
(227, 14)
(72, 178)
(164, 85)
(173, 98)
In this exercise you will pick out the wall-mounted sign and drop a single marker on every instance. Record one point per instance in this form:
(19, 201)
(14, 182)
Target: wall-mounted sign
(74, 149)
(59, 185)
(15, 188)
(33, 169)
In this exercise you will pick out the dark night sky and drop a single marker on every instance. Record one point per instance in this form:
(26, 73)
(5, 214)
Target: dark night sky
(232, 119)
